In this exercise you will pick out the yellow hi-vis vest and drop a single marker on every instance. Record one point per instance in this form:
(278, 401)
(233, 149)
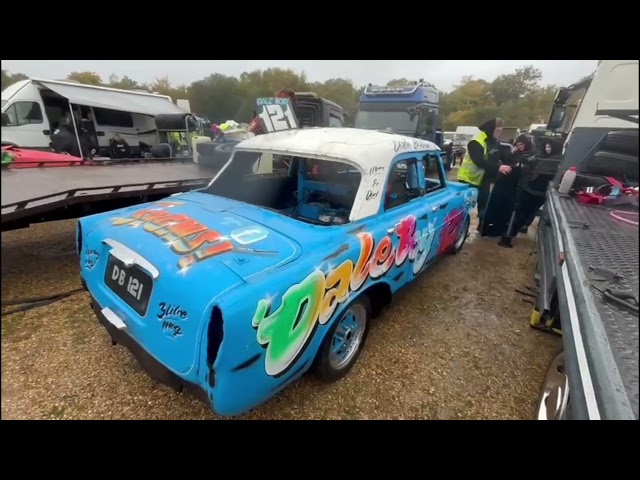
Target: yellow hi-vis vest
(469, 172)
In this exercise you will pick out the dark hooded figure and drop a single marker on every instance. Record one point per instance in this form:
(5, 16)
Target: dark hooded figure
(448, 151)
(522, 146)
(551, 148)
(476, 168)
(64, 140)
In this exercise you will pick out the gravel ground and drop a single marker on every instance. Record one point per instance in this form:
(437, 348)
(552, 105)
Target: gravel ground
(455, 345)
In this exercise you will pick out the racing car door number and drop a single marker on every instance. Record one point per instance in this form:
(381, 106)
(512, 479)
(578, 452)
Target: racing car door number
(276, 114)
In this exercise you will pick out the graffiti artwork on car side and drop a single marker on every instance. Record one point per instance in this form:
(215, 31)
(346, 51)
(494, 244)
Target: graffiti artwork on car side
(188, 238)
(170, 316)
(286, 331)
(450, 230)
(91, 257)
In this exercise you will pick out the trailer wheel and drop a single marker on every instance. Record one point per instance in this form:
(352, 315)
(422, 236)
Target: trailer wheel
(553, 400)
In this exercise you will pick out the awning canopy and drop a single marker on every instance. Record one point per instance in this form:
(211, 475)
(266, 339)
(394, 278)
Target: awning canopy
(135, 102)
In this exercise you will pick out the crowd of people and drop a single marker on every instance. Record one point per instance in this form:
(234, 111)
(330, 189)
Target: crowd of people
(485, 160)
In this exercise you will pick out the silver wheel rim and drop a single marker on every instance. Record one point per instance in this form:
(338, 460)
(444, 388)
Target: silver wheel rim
(554, 397)
(347, 338)
(462, 236)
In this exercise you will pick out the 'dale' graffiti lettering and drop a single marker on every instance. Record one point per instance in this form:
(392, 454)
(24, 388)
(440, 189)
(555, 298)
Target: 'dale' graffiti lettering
(286, 331)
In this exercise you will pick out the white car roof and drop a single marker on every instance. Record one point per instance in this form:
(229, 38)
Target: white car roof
(363, 148)
(370, 150)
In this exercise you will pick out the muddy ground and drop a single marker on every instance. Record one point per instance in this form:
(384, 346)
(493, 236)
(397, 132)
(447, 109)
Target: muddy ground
(455, 345)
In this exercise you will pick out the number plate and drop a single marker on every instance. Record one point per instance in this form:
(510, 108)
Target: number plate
(131, 284)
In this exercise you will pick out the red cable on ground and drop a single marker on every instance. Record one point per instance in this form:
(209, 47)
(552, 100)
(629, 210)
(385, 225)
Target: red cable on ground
(620, 216)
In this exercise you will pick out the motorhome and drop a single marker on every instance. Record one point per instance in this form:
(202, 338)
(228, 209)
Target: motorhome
(32, 109)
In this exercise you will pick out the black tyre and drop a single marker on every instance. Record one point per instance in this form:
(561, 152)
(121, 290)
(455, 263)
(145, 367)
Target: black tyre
(622, 141)
(462, 236)
(344, 341)
(206, 148)
(615, 164)
(215, 155)
(161, 150)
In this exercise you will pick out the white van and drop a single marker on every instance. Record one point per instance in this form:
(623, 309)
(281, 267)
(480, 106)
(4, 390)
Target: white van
(464, 134)
(32, 110)
(448, 137)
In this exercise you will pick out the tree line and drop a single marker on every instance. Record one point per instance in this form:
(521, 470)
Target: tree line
(519, 97)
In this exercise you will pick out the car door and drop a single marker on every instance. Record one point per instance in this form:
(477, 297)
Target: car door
(446, 206)
(408, 216)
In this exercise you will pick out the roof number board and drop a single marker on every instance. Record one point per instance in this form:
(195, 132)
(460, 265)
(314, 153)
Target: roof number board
(276, 114)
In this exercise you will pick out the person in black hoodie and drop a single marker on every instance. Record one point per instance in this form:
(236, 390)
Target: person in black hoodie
(448, 151)
(476, 168)
(522, 146)
(551, 148)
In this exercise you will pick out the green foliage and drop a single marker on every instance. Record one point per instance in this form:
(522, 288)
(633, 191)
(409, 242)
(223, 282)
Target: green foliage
(518, 98)
(8, 79)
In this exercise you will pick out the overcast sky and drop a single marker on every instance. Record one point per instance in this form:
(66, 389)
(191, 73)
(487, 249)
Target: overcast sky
(444, 74)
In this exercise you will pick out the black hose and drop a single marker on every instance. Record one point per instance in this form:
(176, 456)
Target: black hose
(24, 304)
(54, 296)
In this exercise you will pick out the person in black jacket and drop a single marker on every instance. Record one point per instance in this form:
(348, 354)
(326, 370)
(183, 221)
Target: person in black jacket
(551, 148)
(477, 169)
(523, 146)
(448, 151)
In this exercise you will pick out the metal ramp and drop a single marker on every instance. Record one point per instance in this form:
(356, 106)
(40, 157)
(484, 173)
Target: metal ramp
(32, 195)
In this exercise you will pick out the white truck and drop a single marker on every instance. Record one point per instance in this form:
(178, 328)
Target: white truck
(587, 270)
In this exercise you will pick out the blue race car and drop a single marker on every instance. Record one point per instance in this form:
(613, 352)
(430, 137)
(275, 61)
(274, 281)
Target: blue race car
(234, 291)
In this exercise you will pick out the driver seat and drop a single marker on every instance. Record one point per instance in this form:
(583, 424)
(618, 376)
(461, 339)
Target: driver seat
(396, 192)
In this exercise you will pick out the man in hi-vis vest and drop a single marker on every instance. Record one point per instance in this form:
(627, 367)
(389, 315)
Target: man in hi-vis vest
(476, 169)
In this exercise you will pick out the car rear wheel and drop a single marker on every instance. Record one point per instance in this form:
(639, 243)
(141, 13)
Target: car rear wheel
(462, 236)
(344, 342)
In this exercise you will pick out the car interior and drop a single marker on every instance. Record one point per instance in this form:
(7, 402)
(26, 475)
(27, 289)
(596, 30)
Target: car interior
(313, 191)
(412, 178)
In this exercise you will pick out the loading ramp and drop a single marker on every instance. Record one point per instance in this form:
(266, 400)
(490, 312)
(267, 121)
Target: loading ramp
(35, 195)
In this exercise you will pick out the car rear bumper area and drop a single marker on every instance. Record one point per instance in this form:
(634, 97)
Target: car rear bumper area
(154, 369)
